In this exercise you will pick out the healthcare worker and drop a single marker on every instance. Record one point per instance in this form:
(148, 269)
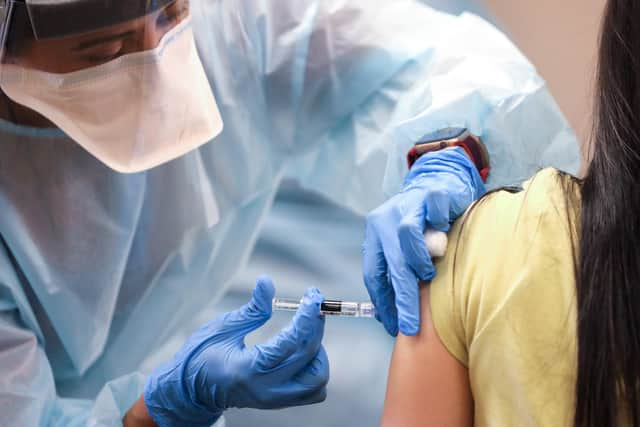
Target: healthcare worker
(141, 146)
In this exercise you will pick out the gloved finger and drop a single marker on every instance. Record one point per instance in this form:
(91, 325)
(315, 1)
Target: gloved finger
(412, 244)
(253, 314)
(297, 343)
(386, 311)
(308, 385)
(314, 374)
(405, 285)
(375, 276)
(316, 397)
(309, 398)
(437, 205)
(282, 397)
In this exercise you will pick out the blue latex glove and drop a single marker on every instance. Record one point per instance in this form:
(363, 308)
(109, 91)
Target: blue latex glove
(438, 188)
(215, 371)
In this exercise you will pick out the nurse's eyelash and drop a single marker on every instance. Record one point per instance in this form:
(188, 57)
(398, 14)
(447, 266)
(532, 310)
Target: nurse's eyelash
(102, 54)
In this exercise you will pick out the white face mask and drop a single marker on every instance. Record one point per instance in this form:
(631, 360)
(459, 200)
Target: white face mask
(133, 113)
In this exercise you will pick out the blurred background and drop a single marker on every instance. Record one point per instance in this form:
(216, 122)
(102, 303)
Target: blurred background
(307, 241)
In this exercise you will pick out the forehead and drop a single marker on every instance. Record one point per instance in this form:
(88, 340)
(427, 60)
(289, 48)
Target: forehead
(62, 18)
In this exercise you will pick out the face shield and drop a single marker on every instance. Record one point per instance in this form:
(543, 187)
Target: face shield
(121, 77)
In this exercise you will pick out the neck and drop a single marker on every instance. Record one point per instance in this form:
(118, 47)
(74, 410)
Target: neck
(20, 115)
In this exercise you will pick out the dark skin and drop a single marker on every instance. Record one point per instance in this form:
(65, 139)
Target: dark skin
(68, 54)
(138, 416)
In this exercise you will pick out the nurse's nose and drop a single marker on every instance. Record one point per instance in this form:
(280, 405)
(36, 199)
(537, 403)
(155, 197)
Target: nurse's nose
(150, 36)
(151, 29)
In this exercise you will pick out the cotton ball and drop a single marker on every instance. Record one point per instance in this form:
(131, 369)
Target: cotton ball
(436, 242)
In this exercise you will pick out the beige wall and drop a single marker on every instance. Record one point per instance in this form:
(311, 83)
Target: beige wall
(560, 38)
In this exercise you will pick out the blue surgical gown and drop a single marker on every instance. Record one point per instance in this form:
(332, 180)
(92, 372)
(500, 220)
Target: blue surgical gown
(98, 270)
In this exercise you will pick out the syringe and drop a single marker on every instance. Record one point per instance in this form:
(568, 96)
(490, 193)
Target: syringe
(436, 242)
(330, 307)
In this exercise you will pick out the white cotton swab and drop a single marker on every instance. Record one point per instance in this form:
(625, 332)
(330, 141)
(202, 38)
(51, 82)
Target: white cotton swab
(436, 242)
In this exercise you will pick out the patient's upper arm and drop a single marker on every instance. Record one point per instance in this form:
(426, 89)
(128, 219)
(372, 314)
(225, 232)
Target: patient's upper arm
(427, 386)
(489, 304)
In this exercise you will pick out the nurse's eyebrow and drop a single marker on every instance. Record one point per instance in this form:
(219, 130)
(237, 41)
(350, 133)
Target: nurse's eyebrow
(95, 42)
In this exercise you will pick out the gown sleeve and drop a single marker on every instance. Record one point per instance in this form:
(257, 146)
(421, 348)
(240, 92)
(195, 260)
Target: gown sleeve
(27, 385)
(349, 86)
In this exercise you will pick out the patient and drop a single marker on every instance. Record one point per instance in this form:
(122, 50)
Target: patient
(534, 317)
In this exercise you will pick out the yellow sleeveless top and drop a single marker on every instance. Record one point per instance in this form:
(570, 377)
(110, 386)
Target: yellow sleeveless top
(503, 303)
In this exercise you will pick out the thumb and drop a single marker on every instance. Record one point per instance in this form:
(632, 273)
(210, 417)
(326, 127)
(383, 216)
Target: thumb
(255, 313)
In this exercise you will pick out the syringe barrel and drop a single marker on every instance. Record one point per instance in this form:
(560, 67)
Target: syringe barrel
(339, 308)
(329, 307)
(286, 304)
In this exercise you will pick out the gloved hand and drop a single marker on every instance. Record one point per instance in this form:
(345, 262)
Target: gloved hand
(438, 188)
(214, 370)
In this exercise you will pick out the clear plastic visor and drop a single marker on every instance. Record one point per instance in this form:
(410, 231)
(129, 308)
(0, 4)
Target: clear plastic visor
(66, 36)
(133, 93)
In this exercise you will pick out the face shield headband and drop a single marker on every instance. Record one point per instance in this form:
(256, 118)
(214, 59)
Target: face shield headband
(63, 18)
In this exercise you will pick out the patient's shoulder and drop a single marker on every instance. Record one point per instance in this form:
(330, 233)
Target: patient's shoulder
(506, 240)
(505, 226)
(549, 193)
(511, 221)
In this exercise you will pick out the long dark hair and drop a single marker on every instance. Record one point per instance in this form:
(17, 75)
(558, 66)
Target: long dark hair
(608, 270)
